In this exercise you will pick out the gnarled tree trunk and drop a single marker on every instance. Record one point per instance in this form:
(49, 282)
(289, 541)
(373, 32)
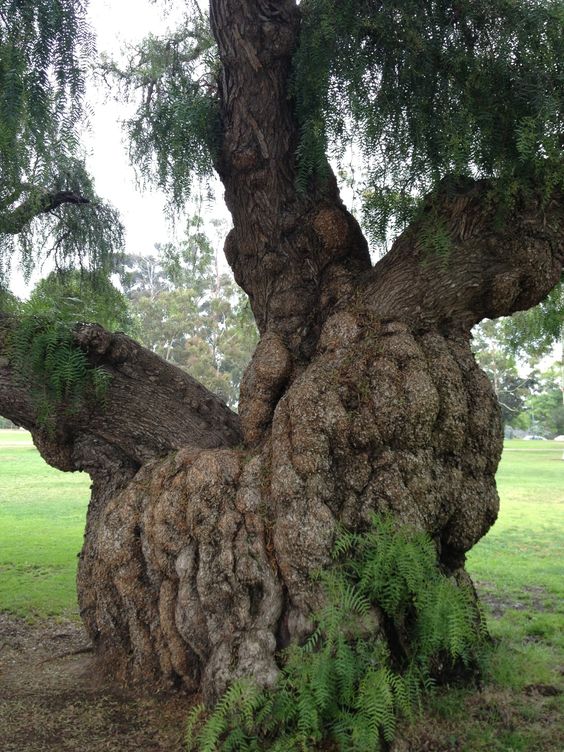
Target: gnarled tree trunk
(363, 396)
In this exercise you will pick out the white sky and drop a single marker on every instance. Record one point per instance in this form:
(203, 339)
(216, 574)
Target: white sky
(142, 212)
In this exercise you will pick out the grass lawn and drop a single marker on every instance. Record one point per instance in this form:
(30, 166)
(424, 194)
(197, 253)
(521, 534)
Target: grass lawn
(519, 564)
(518, 567)
(42, 514)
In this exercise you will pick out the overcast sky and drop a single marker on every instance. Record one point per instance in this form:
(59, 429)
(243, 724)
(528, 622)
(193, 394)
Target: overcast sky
(117, 24)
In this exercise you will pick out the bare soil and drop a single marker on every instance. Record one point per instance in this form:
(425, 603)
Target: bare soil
(53, 697)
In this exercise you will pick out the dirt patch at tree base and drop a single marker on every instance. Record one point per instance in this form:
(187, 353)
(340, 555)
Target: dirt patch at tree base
(53, 697)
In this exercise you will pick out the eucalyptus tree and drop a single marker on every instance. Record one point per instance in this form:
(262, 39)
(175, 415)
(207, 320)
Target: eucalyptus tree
(189, 311)
(363, 395)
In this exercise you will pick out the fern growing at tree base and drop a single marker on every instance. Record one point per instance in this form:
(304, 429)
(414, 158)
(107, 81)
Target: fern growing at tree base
(349, 684)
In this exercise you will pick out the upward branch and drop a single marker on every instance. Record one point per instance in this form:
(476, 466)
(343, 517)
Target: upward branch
(293, 252)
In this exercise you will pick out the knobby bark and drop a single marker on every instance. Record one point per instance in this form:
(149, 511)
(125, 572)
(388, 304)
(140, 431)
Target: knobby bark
(362, 397)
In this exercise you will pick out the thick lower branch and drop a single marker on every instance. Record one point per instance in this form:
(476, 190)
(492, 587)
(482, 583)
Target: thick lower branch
(493, 264)
(151, 408)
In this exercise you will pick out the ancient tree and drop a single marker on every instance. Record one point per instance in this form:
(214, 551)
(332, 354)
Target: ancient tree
(363, 395)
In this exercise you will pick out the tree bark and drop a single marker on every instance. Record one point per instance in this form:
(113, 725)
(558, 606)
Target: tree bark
(363, 397)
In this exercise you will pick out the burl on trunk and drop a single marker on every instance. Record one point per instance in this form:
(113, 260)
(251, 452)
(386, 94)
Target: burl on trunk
(363, 396)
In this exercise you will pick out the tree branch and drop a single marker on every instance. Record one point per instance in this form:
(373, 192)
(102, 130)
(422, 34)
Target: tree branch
(493, 264)
(151, 408)
(294, 253)
(14, 221)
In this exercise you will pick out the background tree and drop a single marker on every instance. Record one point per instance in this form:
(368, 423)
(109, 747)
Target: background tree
(74, 297)
(190, 313)
(545, 404)
(510, 347)
(510, 388)
(363, 395)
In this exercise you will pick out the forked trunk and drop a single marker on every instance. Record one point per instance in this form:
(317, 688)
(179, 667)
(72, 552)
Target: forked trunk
(363, 397)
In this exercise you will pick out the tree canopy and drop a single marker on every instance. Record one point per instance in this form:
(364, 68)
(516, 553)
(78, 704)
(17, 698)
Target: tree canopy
(422, 90)
(362, 397)
(48, 203)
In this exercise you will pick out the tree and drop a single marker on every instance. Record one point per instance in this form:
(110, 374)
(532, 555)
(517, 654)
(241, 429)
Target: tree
(191, 314)
(73, 296)
(47, 197)
(495, 355)
(363, 395)
(527, 336)
(545, 404)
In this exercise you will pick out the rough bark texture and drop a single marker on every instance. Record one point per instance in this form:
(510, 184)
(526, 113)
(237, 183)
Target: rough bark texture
(208, 554)
(363, 396)
(295, 255)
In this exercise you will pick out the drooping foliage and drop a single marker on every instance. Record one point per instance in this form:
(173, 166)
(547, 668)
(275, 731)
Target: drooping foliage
(536, 331)
(429, 88)
(343, 689)
(45, 47)
(174, 131)
(421, 88)
(527, 335)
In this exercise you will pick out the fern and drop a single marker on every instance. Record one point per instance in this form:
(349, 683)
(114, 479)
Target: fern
(341, 688)
(57, 372)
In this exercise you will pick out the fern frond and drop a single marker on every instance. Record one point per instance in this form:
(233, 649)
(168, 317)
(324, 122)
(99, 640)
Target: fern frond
(43, 355)
(339, 687)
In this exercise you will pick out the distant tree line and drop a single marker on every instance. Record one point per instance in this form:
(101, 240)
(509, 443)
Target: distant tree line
(510, 351)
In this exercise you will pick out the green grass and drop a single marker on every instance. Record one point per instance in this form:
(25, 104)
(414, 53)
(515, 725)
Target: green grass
(42, 515)
(519, 571)
(519, 563)
(518, 567)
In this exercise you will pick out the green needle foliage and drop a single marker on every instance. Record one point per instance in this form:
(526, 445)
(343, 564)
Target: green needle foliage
(423, 88)
(468, 87)
(45, 358)
(44, 45)
(173, 134)
(343, 687)
(47, 199)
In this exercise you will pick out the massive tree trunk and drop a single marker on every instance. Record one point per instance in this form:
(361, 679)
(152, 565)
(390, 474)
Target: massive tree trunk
(363, 396)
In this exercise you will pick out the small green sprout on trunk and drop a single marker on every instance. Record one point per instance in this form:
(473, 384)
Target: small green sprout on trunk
(45, 356)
